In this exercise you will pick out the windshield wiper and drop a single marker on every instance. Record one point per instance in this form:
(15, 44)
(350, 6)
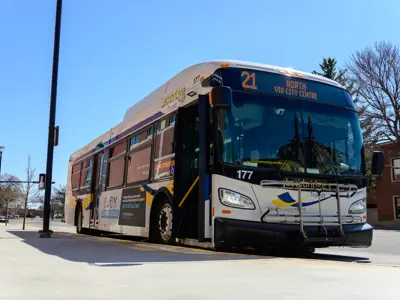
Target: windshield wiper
(324, 157)
(296, 141)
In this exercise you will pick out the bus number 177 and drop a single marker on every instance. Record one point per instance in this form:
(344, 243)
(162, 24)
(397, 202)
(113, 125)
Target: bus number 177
(244, 174)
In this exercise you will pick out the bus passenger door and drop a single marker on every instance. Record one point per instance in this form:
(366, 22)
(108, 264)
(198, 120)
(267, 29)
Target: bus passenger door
(98, 177)
(186, 172)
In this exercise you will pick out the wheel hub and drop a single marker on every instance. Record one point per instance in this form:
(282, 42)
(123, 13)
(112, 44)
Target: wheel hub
(165, 222)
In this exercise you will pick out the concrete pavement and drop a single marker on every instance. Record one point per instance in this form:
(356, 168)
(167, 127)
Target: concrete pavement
(37, 224)
(71, 266)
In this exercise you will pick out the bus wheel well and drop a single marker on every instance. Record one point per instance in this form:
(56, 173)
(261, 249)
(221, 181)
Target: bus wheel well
(78, 206)
(161, 194)
(161, 198)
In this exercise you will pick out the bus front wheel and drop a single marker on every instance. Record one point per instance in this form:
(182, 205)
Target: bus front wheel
(161, 222)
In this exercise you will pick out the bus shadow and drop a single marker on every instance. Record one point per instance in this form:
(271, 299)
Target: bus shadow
(116, 252)
(311, 256)
(108, 252)
(265, 254)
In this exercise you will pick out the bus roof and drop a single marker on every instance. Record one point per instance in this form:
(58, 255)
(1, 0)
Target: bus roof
(177, 92)
(206, 69)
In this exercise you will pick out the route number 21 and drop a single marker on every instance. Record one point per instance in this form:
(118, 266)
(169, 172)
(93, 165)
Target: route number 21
(249, 80)
(244, 174)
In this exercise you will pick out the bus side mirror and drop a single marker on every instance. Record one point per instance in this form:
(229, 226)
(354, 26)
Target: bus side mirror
(377, 164)
(221, 97)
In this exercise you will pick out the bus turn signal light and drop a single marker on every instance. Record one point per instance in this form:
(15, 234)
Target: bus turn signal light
(226, 212)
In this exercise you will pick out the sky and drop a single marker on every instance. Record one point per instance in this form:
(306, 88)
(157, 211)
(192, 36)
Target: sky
(114, 53)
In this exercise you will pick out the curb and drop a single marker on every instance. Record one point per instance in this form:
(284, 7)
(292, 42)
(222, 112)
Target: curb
(386, 227)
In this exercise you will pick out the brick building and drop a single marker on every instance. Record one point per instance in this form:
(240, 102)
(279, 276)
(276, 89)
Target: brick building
(384, 202)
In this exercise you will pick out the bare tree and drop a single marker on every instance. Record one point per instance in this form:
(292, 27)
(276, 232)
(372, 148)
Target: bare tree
(329, 70)
(57, 201)
(375, 72)
(30, 190)
(10, 191)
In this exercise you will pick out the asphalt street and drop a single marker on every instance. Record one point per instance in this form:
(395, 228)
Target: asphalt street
(71, 266)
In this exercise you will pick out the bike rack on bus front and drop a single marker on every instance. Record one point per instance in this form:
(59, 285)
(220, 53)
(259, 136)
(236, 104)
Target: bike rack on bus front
(335, 188)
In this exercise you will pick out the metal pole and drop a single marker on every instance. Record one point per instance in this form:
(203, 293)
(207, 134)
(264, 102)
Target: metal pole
(1, 156)
(28, 186)
(46, 232)
(8, 201)
(339, 209)
(300, 207)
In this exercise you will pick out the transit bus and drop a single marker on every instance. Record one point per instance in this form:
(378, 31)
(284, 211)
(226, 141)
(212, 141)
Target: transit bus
(229, 154)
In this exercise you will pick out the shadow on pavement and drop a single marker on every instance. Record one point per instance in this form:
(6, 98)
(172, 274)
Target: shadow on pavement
(112, 252)
(266, 254)
(341, 258)
(106, 252)
(290, 253)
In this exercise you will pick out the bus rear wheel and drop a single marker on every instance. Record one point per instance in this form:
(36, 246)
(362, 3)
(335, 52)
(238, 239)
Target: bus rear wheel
(79, 221)
(161, 223)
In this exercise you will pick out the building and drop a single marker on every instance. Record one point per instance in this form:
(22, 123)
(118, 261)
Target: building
(384, 202)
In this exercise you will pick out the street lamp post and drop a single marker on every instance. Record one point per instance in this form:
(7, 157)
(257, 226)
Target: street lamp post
(1, 155)
(46, 232)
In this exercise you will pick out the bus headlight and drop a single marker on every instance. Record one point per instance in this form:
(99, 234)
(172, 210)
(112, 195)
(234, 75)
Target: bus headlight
(236, 200)
(358, 207)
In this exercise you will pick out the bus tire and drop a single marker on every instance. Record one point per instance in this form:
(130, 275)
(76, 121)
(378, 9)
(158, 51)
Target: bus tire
(161, 222)
(79, 221)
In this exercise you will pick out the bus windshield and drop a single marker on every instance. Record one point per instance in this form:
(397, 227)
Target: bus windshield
(290, 135)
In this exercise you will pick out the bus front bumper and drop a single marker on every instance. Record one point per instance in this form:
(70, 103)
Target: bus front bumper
(230, 232)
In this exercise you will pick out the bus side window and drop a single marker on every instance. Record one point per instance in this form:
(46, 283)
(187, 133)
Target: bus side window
(138, 164)
(86, 176)
(75, 175)
(164, 160)
(117, 164)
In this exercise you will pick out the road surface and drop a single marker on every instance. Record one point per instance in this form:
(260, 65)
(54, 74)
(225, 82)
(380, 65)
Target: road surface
(71, 266)
(385, 248)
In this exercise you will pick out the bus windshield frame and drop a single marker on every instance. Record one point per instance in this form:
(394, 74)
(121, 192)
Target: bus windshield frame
(286, 134)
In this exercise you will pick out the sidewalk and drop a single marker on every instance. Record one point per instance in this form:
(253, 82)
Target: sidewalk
(386, 227)
(71, 266)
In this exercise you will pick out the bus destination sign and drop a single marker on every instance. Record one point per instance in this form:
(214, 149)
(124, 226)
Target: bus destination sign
(295, 88)
(284, 86)
(279, 84)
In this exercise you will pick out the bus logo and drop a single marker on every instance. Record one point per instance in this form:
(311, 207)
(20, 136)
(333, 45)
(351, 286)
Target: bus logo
(286, 200)
(178, 94)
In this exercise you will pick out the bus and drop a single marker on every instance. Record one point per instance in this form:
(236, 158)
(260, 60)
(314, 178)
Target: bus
(229, 154)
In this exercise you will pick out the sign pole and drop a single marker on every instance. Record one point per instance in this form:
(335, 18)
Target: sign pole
(46, 232)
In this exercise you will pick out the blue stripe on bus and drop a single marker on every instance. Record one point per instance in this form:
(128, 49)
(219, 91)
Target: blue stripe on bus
(148, 189)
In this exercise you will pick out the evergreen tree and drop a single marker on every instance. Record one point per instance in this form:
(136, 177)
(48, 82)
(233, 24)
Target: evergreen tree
(328, 68)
